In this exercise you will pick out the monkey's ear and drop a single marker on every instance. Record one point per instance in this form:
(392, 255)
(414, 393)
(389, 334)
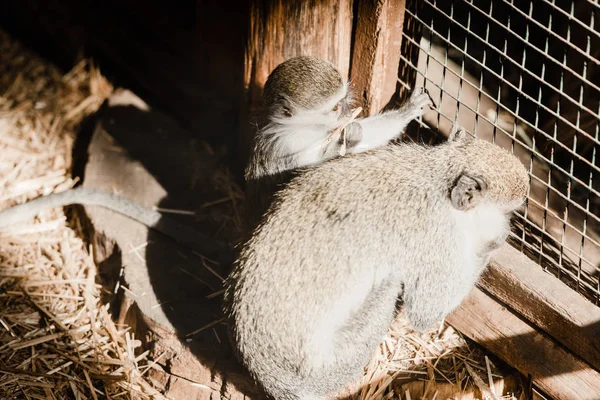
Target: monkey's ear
(458, 134)
(286, 111)
(467, 192)
(285, 106)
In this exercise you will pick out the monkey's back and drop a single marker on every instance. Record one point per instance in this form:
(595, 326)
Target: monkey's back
(334, 227)
(313, 290)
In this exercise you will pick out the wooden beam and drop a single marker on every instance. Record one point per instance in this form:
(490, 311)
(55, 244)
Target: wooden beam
(545, 301)
(280, 30)
(376, 52)
(554, 370)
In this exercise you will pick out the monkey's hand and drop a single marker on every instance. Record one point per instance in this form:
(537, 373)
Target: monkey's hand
(348, 138)
(423, 318)
(419, 99)
(353, 135)
(348, 135)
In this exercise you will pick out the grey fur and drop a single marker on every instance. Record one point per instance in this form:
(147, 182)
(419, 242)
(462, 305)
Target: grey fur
(370, 227)
(303, 81)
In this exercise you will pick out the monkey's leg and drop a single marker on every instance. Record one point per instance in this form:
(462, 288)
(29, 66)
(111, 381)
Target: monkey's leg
(356, 341)
(432, 295)
(379, 129)
(369, 324)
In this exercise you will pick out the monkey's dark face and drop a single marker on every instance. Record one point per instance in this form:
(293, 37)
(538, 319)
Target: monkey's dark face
(342, 109)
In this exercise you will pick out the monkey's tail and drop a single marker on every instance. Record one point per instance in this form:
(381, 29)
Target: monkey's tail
(83, 196)
(182, 233)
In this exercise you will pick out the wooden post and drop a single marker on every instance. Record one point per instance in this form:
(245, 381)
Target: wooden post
(283, 29)
(376, 52)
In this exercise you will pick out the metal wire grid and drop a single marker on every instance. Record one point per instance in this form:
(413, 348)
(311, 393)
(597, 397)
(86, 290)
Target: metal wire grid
(525, 75)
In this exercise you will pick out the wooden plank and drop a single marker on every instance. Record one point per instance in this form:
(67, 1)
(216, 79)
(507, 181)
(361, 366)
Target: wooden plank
(280, 30)
(376, 52)
(545, 301)
(283, 29)
(553, 369)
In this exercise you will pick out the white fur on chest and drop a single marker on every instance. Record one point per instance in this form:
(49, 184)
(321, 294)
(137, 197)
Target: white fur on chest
(302, 136)
(482, 225)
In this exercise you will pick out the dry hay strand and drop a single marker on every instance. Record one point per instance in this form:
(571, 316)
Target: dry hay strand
(40, 109)
(439, 364)
(55, 336)
(57, 341)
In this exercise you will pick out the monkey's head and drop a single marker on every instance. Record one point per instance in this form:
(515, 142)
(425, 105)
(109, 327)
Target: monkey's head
(485, 172)
(306, 84)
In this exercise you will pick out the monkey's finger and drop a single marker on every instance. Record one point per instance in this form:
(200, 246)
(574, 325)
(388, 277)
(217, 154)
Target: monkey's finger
(456, 132)
(434, 106)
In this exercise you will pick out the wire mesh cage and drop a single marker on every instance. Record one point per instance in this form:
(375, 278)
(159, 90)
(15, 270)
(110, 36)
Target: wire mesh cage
(525, 75)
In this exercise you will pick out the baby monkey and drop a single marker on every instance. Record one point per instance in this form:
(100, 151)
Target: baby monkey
(314, 289)
(306, 103)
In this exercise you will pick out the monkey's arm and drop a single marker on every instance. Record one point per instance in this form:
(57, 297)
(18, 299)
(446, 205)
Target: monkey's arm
(432, 295)
(424, 305)
(379, 129)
